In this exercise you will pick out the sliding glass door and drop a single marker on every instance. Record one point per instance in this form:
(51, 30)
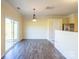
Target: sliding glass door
(15, 32)
(11, 33)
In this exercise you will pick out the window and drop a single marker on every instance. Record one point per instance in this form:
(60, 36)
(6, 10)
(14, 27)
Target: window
(11, 33)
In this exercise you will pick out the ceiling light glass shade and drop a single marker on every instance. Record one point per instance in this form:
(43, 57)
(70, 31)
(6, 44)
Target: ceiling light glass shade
(34, 20)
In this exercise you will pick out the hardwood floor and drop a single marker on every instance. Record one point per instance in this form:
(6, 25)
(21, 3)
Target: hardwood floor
(33, 49)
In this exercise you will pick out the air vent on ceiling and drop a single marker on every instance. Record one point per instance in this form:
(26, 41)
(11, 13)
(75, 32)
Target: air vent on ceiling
(18, 8)
(49, 7)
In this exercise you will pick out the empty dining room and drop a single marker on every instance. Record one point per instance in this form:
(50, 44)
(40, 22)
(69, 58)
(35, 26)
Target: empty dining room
(39, 29)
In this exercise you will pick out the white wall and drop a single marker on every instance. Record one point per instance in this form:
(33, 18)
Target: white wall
(38, 30)
(43, 29)
(67, 43)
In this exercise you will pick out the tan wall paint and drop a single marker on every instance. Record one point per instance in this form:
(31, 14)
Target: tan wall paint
(2, 32)
(8, 11)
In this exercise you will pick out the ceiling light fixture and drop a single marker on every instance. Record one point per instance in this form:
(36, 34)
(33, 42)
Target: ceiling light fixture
(34, 16)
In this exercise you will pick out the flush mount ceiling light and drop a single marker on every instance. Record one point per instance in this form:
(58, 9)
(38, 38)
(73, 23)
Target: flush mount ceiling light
(34, 15)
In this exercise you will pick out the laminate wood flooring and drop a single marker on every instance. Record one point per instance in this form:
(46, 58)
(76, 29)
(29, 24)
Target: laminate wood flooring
(33, 49)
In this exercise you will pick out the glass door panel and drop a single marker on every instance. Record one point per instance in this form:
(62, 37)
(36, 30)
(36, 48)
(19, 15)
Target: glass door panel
(11, 33)
(8, 34)
(16, 37)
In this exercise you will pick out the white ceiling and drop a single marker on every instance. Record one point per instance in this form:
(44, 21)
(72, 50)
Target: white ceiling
(60, 7)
